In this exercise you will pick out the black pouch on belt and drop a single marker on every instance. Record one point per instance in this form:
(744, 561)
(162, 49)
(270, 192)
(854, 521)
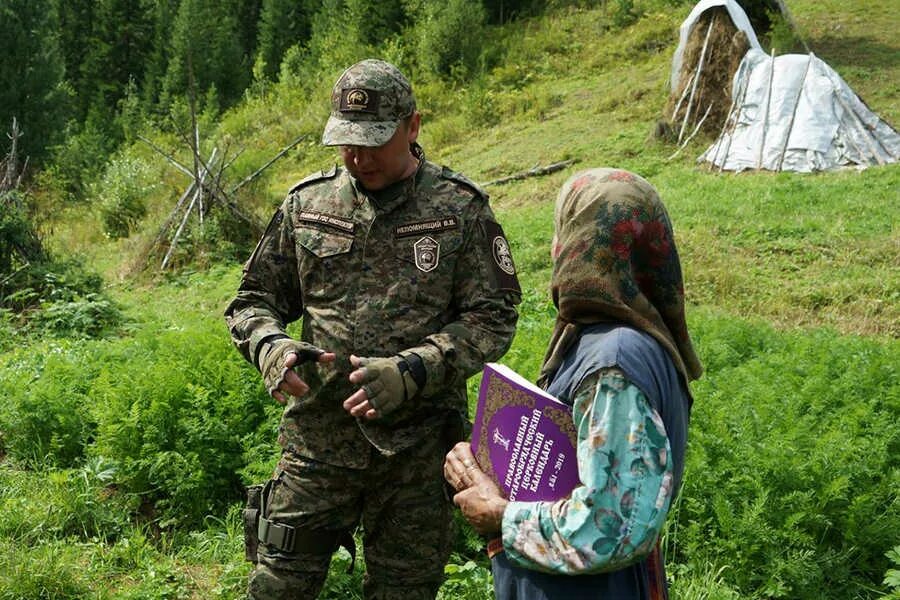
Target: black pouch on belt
(251, 521)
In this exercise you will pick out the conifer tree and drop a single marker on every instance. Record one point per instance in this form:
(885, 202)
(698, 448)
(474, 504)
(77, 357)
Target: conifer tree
(205, 43)
(163, 16)
(119, 47)
(376, 20)
(76, 24)
(247, 14)
(282, 24)
(503, 11)
(31, 74)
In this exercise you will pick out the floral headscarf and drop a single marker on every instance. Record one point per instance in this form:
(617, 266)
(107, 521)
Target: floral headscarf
(615, 261)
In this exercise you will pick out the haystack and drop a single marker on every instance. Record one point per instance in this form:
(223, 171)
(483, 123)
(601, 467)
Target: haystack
(795, 113)
(714, 39)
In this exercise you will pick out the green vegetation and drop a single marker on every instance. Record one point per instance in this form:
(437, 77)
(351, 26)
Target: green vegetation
(128, 423)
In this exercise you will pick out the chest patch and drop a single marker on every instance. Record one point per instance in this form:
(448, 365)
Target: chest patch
(318, 218)
(427, 253)
(431, 226)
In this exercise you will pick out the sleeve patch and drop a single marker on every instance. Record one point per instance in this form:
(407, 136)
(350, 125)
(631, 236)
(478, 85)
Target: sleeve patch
(502, 264)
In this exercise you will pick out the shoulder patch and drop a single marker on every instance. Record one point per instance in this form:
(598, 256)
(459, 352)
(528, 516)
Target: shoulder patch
(320, 176)
(501, 261)
(452, 175)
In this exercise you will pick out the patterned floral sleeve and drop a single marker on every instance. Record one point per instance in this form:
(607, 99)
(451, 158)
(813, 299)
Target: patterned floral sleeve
(614, 517)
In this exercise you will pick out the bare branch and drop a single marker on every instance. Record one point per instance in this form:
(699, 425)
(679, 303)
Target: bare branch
(765, 125)
(693, 133)
(687, 111)
(256, 173)
(532, 172)
(168, 157)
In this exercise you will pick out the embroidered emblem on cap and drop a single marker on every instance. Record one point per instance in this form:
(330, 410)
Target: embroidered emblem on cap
(426, 252)
(359, 100)
(502, 255)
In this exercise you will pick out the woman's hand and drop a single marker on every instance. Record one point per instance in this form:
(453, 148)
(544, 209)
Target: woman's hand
(478, 497)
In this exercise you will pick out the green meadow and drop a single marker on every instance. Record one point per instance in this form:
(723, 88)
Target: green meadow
(123, 452)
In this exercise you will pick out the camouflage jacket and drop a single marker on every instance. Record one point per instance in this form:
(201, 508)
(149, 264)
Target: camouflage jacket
(424, 266)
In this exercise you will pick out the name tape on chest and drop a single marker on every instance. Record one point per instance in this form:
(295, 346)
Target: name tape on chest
(431, 226)
(318, 218)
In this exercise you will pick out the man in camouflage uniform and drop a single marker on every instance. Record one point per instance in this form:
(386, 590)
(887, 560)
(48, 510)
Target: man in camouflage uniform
(405, 285)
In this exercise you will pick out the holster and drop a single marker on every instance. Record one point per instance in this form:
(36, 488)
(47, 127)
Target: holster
(258, 528)
(456, 429)
(251, 521)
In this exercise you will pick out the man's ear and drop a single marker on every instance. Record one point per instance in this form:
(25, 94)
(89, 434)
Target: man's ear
(412, 128)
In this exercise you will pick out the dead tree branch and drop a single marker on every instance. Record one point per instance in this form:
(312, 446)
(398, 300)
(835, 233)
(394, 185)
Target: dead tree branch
(256, 173)
(532, 172)
(12, 177)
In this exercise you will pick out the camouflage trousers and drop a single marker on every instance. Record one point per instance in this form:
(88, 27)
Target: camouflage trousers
(405, 514)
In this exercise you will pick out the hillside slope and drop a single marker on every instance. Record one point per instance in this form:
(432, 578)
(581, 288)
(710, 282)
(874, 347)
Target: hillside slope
(571, 86)
(122, 458)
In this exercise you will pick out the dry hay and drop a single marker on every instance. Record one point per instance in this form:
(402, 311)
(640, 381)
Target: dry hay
(725, 49)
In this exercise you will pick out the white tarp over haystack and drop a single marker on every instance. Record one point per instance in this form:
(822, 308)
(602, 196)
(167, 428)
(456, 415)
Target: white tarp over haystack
(795, 113)
(738, 17)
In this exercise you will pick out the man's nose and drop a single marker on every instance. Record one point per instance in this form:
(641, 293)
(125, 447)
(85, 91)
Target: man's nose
(362, 156)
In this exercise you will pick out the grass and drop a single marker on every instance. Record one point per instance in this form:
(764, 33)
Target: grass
(794, 291)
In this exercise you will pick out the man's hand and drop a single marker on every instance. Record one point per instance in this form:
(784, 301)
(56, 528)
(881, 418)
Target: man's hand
(479, 498)
(386, 383)
(277, 367)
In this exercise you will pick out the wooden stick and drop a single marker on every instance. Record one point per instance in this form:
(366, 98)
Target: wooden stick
(168, 222)
(532, 172)
(22, 173)
(197, 161)
(12, 159)
(684, 93)
(256, 173)
(687, 111)
(790, 20)
(16, 272)
(178, 231)
(222, 196)
(195, 130)
(737, 118)
(718, 144)
(762, 144)
(865, 131)
(690, 137)
(174, 162)
(206, 170)
(794, 114)
(187, 213)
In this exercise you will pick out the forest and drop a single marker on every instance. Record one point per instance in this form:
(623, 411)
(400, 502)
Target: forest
(147, 143)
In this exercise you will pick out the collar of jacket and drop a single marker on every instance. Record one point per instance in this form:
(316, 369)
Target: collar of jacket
(394, 195)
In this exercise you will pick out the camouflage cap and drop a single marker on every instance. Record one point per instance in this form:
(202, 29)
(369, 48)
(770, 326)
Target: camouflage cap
(367, 103)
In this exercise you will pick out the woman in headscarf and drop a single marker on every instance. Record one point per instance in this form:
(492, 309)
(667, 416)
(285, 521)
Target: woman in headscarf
(621, 356)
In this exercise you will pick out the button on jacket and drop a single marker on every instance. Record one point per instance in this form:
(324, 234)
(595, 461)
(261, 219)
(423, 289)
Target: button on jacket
(422, 264)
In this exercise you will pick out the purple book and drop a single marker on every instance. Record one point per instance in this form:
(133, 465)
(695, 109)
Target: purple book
(523, 437)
